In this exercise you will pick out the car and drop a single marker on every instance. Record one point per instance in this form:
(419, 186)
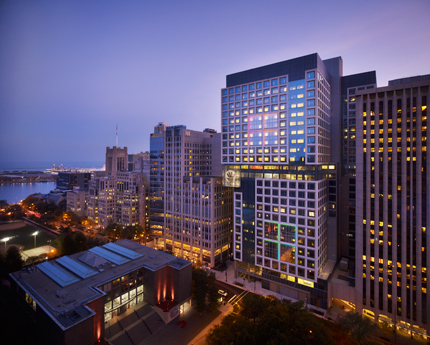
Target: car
(222, 293)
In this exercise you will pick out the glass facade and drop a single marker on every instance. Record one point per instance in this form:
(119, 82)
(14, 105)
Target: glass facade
(156, 182)
(276, 134)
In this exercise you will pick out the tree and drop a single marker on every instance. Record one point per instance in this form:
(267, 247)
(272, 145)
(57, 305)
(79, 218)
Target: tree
(88, 223)
(254, 306)
(68, 246)
(93, 241)
(275, 325)
(16, 211)
(70, 217)
(13, 259)
(30, 201)
(212, 293)
(199, 288)
(113, 230)
(46, 218)
(359, 328)
(274, 322)
(80, 241)
(234, 329)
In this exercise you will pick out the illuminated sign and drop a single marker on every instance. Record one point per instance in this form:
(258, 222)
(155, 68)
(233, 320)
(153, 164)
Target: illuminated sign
(305, 282)
(230, 176)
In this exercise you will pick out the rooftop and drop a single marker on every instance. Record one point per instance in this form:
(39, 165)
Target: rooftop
(62, 287)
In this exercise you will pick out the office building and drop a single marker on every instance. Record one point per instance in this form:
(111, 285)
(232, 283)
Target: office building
(156, 183)
(68, 180)
(349, 86)
(197, 208)
(79, 299)
(392, 188)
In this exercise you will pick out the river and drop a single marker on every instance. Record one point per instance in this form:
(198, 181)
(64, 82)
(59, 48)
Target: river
(15, 192)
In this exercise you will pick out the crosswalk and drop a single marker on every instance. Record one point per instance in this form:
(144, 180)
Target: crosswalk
(237, 298)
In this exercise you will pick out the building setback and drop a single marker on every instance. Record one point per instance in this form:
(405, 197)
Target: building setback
(393, 203)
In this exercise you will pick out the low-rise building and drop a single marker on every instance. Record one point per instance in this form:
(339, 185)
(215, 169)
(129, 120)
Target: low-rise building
(76, 201)
(76, 299)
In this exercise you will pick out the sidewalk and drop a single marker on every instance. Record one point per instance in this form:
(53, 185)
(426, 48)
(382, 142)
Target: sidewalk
(225, 309)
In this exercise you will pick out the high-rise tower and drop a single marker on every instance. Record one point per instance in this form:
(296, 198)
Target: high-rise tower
(393, 203)
(277, 154)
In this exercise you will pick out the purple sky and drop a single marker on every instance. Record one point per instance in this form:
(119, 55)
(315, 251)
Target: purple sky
(71, 70)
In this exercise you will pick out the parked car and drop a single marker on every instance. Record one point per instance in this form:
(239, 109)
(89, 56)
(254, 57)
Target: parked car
(222, 293)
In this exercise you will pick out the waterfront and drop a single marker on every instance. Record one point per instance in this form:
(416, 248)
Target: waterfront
(42, 166)
(15, 192)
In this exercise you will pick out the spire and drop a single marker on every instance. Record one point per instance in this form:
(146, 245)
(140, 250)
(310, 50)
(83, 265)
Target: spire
(116, 135)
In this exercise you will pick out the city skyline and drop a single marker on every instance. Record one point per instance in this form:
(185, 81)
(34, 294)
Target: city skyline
(74, 71)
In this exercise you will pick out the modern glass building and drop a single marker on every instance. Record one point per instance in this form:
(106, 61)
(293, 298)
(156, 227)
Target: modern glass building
(156, 183)
(277, 154)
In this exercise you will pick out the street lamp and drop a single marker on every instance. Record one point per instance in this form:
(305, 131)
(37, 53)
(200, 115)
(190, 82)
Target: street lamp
(5, 240)
(35, 234)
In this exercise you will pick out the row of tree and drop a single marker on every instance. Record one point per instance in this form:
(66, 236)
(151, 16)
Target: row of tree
(267, 320)
(10, 212)
(71, 242)
(131, 232)
(48, 210)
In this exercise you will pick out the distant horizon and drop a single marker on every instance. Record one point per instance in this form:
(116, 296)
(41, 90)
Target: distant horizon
(43, 165)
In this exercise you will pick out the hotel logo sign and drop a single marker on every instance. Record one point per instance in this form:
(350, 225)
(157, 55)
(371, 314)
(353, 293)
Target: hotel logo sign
(230, 176)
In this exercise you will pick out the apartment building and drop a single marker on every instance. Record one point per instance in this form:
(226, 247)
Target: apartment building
(76, 201)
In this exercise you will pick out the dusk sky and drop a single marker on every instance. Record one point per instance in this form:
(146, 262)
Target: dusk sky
(71, 70)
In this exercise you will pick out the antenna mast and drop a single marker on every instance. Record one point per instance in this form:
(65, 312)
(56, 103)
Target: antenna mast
(116, 135)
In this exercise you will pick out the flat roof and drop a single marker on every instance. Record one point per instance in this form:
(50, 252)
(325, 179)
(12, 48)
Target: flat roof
(64, 286)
